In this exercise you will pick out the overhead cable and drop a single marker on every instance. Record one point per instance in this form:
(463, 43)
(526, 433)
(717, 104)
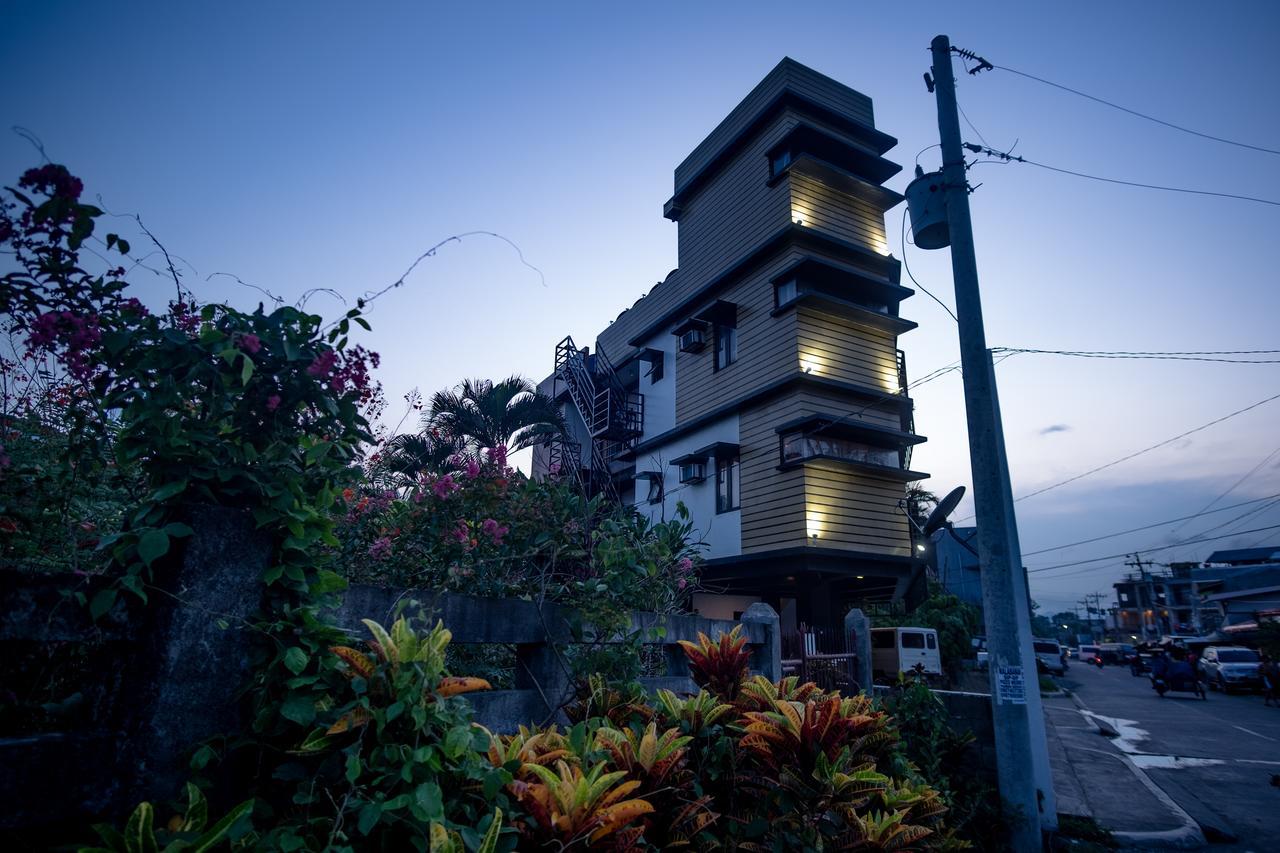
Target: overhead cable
(1149, 550)
(1157, 356)
(1007, 157)
(1144, 450)
(1154, 525)
(1140, 115)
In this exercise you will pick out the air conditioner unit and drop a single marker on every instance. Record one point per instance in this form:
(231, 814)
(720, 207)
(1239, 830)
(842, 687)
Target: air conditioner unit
(692, 341)
(693, 472)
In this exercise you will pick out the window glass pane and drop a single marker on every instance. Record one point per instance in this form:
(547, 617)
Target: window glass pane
(726, 346)
(882, 639)
(784, 292)
(912, 640)
(931, 640)
(796, 446)
(655, 490)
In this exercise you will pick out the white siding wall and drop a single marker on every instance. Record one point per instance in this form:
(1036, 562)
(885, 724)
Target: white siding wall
(721, 532)
(660, 396)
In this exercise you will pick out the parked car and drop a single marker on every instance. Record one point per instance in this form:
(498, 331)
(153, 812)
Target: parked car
(895, 650)
(1049, 657)
(1088, 654)
(1228, 668)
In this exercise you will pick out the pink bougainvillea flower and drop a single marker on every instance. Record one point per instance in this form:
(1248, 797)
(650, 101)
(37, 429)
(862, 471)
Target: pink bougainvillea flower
(273, 402)
(685, 565)
(473, 469)
(460, 532)
(445, 486)
(249, 343)
(498, 455)
(381, 548)
(494, 530)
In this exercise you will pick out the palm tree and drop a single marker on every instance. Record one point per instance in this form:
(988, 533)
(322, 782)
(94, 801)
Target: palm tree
(482, 414)
(408, 456)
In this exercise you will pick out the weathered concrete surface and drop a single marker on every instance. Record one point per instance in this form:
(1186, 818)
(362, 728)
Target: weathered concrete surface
(1215, 758)
(1095, 779)
(191, 670)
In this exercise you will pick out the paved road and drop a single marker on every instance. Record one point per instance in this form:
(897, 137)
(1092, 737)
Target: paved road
(1219, 759)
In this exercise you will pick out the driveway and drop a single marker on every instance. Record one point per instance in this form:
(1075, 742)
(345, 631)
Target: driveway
(1218, 759)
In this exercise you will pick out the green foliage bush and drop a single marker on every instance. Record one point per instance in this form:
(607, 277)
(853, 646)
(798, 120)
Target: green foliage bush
(269, 412)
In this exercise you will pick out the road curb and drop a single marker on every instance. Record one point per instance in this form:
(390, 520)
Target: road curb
(1189, 835)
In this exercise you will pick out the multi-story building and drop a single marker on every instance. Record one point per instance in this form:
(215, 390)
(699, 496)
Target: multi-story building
(760, 384)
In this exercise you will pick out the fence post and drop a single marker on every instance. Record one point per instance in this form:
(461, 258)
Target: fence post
(189, 671)
(770, 658)
(540, 667)
(857, 634)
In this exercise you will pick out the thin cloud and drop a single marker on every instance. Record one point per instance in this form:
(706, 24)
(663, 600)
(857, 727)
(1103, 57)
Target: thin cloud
(1055, 428)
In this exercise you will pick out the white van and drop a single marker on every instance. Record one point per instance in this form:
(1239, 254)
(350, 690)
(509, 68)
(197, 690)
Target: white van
(895, 650)
(1088, 654)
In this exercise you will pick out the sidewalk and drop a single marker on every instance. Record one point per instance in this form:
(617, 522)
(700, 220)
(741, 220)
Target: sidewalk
(1092, 778)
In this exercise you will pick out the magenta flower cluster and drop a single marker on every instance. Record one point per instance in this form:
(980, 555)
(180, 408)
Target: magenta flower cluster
(381, 548)
(348, 372)
(445, 486)
(52, 180)
(77, 336)
(494, 530)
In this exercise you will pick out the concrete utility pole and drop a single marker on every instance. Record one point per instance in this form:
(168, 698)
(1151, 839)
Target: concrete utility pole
(1022, 759)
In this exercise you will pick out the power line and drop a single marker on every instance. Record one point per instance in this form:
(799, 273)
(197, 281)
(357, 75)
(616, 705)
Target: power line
(1156, 356)
(1156, 524)
(1007, 157)
(1144, 450)
(1233, 487)
(1149, 550)
(1132, 112)
(907, 266)
(1155, 446)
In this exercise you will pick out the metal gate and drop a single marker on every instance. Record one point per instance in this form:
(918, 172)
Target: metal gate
(827, 658)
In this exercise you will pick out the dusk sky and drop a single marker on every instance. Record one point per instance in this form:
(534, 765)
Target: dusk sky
(326, 145)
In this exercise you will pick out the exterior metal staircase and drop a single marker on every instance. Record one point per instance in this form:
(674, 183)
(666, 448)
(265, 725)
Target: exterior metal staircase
(614, 416)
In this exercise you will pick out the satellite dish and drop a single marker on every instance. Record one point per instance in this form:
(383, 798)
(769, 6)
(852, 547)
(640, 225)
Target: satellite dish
(945, 507)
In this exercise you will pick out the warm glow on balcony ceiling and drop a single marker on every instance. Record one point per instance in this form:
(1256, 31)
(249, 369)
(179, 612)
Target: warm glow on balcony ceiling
(811, 363)
(813, 523)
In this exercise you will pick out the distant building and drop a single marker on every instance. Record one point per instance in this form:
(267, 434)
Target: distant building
(955, 566)
(1230, 588)
(1245, 556)
(761, 384)
(1237, 602)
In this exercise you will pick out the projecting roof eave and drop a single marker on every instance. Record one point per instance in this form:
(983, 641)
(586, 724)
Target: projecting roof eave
(838, 463)
(885, 266)
(1243, 593)
(876, 140)
(840, 426)
(858, 315)
(830, 273)
(830, 560)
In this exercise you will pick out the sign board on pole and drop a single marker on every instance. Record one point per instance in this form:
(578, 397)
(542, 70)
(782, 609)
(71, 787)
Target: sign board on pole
(1011, 686)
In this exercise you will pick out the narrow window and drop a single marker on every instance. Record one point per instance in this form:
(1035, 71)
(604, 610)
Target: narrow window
(726, 346)
(655, 489)
(655, 368)
(727, 473)
(784, 292)
(779, 163)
